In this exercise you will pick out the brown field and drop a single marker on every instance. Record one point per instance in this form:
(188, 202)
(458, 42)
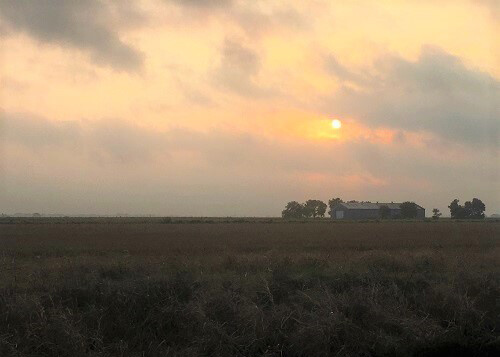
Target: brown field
(248, 287)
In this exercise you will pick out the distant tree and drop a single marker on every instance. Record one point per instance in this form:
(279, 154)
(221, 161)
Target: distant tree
(332, 203)
(293, 209)
(408, 210)
(308, 209)
(456, 210)
(314, 208)
(436, 214)
(475, 209)
(384, 211)
(321, 209)
(471, 209)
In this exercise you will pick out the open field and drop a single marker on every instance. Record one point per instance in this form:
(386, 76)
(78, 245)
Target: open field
(222, 287)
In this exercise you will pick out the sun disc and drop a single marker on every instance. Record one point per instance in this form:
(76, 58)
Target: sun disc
(336, 124)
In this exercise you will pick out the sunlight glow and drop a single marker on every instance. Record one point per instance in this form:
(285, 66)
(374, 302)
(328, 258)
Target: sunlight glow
(336, 124)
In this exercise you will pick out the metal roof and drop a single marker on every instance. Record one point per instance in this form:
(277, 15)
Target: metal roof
(371, 205)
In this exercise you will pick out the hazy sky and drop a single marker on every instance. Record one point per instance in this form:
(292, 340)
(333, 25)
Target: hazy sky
(222, 107)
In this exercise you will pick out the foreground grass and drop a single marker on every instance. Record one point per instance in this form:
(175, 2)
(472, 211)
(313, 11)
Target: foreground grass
(256, 289)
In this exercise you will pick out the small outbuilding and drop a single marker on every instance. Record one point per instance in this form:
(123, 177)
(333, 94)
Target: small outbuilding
(369, 210)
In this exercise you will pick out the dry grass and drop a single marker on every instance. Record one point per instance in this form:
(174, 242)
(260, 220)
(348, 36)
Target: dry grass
(260, 288)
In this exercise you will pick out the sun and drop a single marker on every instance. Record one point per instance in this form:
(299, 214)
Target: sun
(336, 124)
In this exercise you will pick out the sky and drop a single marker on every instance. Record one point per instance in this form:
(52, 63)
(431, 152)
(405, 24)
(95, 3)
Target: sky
(224, 107)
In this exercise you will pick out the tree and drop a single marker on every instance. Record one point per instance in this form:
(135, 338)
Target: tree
(384, 211)
(475, 209)
(456, 210)
(314, 208)
(293, 209)
(436, 214)
(321, 209)
(332, 203)
(470, 210)
(408, 210)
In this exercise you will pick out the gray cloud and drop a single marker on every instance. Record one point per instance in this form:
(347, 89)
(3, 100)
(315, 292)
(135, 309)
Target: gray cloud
(197, 97)
(492, 5)
(38, 133)
(103, 140)
(203, 3)
(239, 170)
(194, 94)
(247, 15)
(81, 24)
(436, 94)
(255, 22)
(337, 69)
(124, 142)
(238, 70)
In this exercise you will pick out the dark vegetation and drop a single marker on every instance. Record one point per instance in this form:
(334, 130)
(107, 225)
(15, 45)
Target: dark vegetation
(311, 208)
(259, 288)
(436, 214)
(470, 210)
(316, 208)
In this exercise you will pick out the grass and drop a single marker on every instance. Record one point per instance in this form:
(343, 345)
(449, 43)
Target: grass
(85, 287)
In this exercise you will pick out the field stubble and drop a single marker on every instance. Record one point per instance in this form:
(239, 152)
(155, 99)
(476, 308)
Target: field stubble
(249, 288)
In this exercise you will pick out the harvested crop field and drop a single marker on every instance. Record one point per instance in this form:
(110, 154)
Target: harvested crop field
(152, 287)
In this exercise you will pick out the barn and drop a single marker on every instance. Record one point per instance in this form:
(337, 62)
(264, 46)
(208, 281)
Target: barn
(369, 210)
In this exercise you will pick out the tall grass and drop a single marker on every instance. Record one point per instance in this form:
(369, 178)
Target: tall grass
(250, 289)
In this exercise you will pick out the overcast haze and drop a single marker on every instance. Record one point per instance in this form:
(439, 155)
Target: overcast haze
(191, 107)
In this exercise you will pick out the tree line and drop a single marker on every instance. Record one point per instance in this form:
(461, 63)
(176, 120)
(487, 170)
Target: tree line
(310, 208)
(316, 209)
(470, 210)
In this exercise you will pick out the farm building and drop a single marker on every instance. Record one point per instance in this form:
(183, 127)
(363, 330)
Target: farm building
(368, 210)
